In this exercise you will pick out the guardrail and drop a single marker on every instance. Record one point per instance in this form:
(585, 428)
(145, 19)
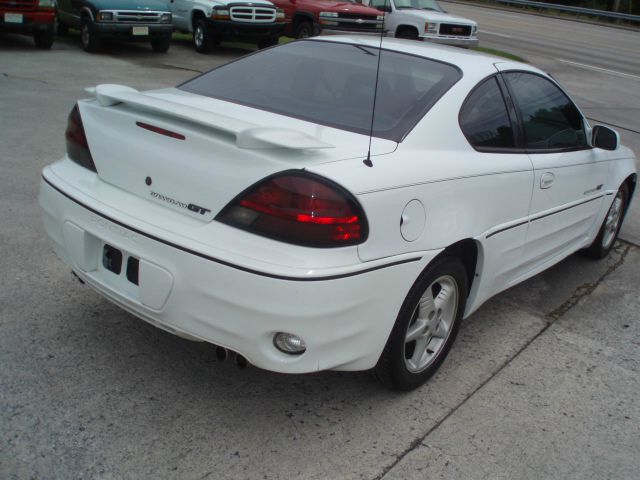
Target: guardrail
(576, 10)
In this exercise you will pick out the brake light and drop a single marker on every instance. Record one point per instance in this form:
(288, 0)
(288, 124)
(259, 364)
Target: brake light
(77, 146)
(301, 208)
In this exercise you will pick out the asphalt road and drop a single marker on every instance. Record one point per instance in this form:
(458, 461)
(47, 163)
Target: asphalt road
(541, 383)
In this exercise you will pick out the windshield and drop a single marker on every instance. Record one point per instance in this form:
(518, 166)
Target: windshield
(331, 83)
(420, 4)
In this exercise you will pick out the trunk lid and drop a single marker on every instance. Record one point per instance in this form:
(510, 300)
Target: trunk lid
(194, 154)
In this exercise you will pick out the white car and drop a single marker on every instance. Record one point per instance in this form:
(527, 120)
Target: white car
(250, 208)
(426, 20)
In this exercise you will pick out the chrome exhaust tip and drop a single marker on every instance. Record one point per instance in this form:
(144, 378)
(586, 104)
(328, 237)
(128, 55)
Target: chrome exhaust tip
(241, 361)
(221, 353)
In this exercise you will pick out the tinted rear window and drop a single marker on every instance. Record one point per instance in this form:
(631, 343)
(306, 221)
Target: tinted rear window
(332, 84)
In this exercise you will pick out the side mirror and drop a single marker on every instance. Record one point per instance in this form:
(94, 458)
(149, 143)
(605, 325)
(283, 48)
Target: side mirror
(384, 8)
(605, 138)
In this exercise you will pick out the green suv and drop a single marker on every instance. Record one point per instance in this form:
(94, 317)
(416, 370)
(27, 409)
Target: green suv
(130, 20)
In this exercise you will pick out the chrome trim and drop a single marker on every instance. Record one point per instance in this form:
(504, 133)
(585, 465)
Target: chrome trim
(136, 17)
(252, 14)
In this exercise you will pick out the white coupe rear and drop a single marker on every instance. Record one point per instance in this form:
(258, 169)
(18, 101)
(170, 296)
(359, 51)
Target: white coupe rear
(251, 208)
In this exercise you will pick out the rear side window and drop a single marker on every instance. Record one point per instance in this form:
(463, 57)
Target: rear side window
(332, 84)
(484, 119)
(550, 120)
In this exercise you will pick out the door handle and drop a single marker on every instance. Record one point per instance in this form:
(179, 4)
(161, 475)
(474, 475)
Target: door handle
(547, 180)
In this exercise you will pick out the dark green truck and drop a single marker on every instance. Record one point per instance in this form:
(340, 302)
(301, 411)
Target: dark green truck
(129, 20)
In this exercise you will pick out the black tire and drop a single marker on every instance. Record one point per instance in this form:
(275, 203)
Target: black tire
(43, 38)
(268, 41)
(91, 41)
(304, 30)
(203, 40)
(408, 33)
(161, 44)
(62, 29)
(444, 276)
(610, 228)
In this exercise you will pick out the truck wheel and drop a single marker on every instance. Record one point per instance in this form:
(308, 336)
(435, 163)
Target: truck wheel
(91, 42)
(409, 33)
(202, 36)
(43, 38)
(304, 30)
(268, 41)
(161, 44)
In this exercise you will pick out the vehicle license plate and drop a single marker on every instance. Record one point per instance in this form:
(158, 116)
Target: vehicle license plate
(140, 30)
(13, 17)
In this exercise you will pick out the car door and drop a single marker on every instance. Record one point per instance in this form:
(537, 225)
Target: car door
(489, 123)
(180, 14)
(390, 14)
(569, 175)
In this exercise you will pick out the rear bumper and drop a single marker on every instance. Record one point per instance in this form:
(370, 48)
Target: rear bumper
(344, 316)
(31, 21)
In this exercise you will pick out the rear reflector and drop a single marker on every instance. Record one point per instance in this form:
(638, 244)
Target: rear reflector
(161, 131)
(301, 208)
(77, 146)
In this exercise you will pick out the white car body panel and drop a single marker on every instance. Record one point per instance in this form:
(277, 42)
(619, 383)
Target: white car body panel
(204, 279)
(106, 127)
(210, 299)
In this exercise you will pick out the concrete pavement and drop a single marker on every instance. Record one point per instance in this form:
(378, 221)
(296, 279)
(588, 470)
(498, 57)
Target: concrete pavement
(564, 407)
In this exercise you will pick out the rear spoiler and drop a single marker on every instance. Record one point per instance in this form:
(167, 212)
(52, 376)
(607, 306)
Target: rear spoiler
(248, 135)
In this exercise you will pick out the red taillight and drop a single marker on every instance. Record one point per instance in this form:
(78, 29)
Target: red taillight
(299, 208)
(77, 146)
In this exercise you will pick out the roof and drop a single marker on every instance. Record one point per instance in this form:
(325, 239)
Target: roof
(471, 62)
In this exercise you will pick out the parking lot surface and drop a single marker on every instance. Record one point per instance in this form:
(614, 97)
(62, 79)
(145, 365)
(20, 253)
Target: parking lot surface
(541, 383)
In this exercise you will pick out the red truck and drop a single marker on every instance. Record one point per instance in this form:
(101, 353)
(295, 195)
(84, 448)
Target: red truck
(30, 17)
(306, 18)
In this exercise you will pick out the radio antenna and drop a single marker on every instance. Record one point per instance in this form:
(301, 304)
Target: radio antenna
(368, 161)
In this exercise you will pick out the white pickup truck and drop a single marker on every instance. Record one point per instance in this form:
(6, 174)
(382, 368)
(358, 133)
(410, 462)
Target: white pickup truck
(211, 21)
(426, 20)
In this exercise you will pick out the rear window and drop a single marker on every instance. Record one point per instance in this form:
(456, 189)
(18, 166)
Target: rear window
(332, 84)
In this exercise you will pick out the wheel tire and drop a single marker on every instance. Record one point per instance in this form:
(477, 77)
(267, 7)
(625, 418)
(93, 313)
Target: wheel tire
(203, 40)
(268, 41)
(91, 42)
(304, 30)
(608, 233)
(407, 33)
(43, 38)
(431, 313)
(62, 28)
(161, 44)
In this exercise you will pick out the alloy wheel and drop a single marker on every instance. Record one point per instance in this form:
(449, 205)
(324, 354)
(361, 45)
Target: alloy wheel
(612, 223)
(431, 323)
